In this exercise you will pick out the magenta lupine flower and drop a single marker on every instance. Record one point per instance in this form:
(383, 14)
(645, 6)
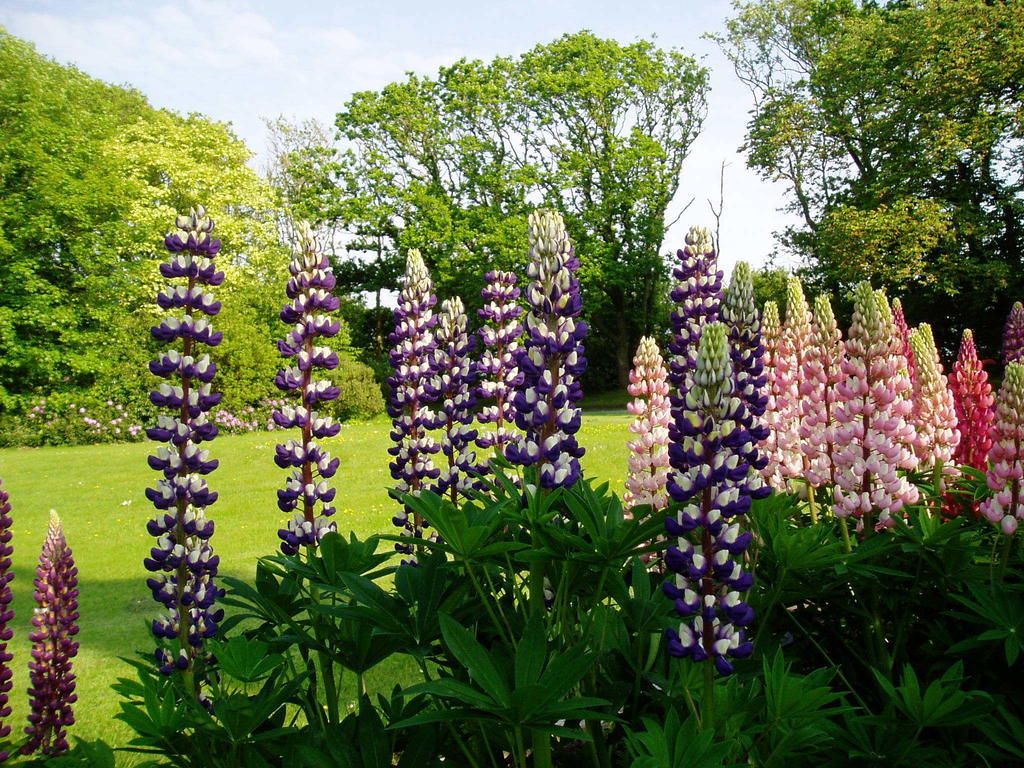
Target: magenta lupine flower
(903, 335)
(746, 349)
(873, 432)
(1005, 507)
(795, 350)
(307, 494)
(552, 359)
(183, 562)
(456, 399)
(1013, 334)
(6, 614)
(822, 371)
(713, 486)
(697, 295)
(411, 393)
(55, 621)
(973, 400)
(498, 367)
(648, 451)
(775, 364)
(934, 414)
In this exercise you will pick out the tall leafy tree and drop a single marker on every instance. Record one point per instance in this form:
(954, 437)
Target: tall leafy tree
(90, 174)
(451, 165)
(898, 130)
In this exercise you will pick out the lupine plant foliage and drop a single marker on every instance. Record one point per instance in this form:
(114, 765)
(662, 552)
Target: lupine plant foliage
(307, 493)
(182, 561)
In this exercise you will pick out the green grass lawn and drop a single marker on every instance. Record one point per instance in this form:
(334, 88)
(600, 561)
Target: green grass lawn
(98, 492)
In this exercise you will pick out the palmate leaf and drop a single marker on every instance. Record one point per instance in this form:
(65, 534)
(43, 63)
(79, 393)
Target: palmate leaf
(476, 660)
(1001, 609)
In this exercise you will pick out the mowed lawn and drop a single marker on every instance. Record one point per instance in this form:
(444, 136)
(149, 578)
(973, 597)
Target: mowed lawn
(99, 493)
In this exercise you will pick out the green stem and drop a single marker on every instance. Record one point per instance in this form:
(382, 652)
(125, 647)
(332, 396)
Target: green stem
(847, 546)
(812, 504)
(501, 627)
(1004, 559)
(708, 702)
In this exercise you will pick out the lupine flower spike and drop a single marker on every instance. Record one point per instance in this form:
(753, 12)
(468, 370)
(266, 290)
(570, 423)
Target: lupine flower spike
(1005, 507)
(55, 622)
(498, 370)
(183, 562)
(795, 353)
(412, 391)
(552, 361)
(1013, 334)
(973, 400)
(934, 415)
(775, 408)
(822, 371)
(455, 385)
(307, 494)
(903, 336)
(746, 349)
(648, 451)
(873, 432)
(697, 295)
(6, 615)
(714, 487)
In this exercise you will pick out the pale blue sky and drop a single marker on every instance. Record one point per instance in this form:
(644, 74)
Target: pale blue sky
(238, 60)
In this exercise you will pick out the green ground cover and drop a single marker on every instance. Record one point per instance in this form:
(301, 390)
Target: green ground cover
(98, 491)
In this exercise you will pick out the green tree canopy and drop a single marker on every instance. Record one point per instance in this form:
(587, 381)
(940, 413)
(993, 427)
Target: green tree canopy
(898, 130)
(452, 165)
(90, 176)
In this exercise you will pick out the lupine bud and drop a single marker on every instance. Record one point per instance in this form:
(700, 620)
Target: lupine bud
(412, 390)
(1013, 334)
(933, 415)
(648, 451)
(1005, 507)
(776, 361)
(455, 385)
(714, 486)
(307, 495)
(182, 561)
(551, 359)
(873, 432)
(6, 614)
(973, 400)
(497, 370)
(903, 337)
(794, 353)
(55, 621)
(822, 371)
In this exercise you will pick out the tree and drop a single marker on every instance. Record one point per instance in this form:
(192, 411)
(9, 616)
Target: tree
(91, 176)
(897, 128)
(452, 165)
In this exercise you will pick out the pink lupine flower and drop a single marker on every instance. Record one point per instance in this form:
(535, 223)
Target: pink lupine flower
(1013, 334)
(1006, 457)
(973, 399)
(774, 358)
(822, 370)
(648, 451)
(873, 432)
(795, 351)
(903, 336)
(934, 415)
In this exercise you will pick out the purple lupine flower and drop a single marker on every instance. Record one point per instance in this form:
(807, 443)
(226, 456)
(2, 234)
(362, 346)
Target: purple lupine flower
(497, 368)
(412, 391)
(182, 562)
(746, 350)
(714, 484)
(52, 683)
(455, 384)
(1013, 334)
(6, 614)
(307, 495)
(551, 359)
(697, 294)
